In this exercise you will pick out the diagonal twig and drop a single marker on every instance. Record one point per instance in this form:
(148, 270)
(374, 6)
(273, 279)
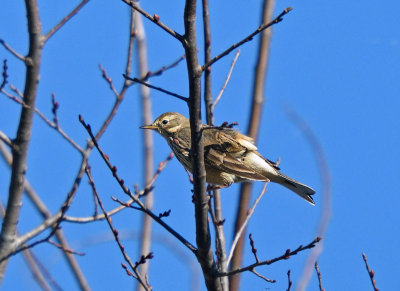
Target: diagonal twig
(371, 273)
(319, 277)
(285, 256)
(241, 229)
(64, 20)
(226, 81)
(155, 19)
(12, 51)
(126, 190)
(157, 88)
(248, 38)
(127, 259)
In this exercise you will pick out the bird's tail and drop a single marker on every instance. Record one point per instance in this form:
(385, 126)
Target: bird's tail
(300, 189)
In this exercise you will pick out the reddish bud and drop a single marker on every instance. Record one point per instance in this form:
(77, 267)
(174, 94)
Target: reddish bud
(122, 181)
(156, 18)
(107, 157)
(372, 273)
(114, 169)
(115, 232)
(287, 254)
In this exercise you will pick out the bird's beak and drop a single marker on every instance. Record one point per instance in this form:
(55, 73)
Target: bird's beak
(151, 126)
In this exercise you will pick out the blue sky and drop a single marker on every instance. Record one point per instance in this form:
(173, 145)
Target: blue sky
(336, 63)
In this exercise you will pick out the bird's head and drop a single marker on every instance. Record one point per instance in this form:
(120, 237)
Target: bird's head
(168, 123)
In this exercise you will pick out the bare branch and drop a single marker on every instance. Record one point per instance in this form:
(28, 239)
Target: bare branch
(12, 51)
(157, 88)
(326, 182)
(289, 281)
(155, 19)
(64, 20)
(371, 273)
(285, 256)
(162, 69)
(64, 249)
(135, 198)
(207, 58)
(262, 277)
(4, 138)
(257, 103)
(226, 81)
(23, 136)
(108, 80)
(246, 220)
(4, 75)
(148, 188)
(248, 38)
(53, 125)
(319, 277)
(115, 233)
(203, 240)
(145, 244)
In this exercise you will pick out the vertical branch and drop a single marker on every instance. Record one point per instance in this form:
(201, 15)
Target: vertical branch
(21, 143)
(148, 140)
(203, 240)
(326, 182)
(252, 131)
(219, 229)
(207, 58)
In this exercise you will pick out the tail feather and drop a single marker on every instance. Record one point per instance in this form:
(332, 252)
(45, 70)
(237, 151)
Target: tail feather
(300, 189)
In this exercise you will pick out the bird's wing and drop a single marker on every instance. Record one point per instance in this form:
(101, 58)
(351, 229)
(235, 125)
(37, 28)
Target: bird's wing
(226, 152)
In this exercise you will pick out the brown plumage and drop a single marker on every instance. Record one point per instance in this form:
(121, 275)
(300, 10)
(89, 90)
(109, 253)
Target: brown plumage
(229, 156)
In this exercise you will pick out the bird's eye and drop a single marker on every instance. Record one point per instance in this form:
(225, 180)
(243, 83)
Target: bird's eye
(165, 121)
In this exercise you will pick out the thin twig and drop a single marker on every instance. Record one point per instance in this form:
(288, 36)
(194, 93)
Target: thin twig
(289, 281)
(64, 249)
(155, 19)
(319, 277)
(248, 38)
(326, 182)
(263, 277)
(146, 189)
(226, 81)
(115, 233)
(371, 273)
(126, 190)
(108, 80)
(285, 256)
(186, 99)
(12, 51)
(254, 124)
(53, 125)
(243, 226)
(162, 69)
(4, 75)
(64, 20)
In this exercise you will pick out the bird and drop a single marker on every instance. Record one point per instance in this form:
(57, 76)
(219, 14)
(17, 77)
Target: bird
(229, 156)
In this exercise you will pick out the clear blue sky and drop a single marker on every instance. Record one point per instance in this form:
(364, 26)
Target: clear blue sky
(336, 63)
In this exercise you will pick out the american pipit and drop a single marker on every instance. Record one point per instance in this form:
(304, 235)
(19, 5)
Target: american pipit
(229, 156)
